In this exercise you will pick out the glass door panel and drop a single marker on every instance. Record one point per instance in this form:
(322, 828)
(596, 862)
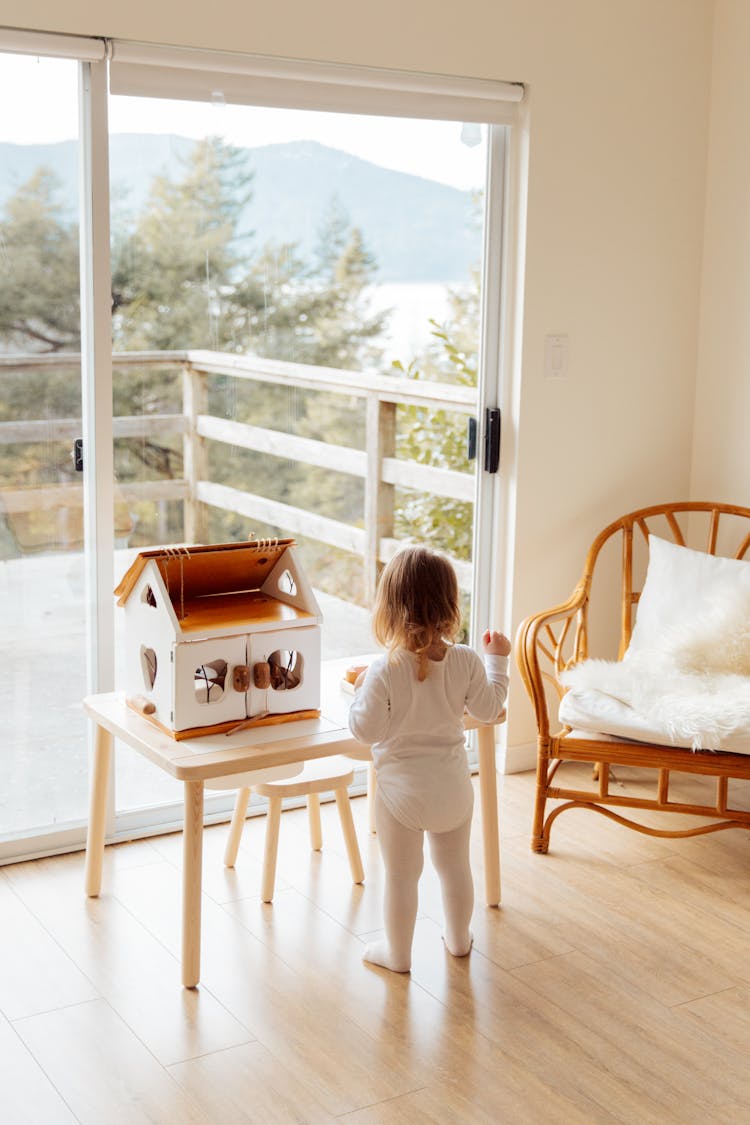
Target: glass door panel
(43, 767)
(328, 270)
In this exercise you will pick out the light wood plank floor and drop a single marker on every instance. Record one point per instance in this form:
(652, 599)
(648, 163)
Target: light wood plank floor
(613, 985)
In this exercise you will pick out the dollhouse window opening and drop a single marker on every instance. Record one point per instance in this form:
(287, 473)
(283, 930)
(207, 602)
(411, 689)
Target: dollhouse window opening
(286, 583)
(148, 666)
(286, 668)
(209, 681)
(148, 597)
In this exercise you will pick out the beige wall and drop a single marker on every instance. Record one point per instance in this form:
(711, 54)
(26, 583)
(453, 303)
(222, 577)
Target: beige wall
(619, 94)
(721, 450)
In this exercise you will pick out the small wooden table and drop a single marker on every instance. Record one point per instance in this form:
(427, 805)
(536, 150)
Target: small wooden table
(213, 757)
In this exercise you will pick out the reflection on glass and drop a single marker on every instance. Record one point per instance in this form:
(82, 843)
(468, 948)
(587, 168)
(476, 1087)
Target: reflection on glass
(43, 768)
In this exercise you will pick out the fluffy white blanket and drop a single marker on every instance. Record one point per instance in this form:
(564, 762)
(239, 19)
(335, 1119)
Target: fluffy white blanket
(693, 682)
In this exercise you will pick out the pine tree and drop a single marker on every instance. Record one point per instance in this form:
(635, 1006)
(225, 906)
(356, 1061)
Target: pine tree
(39, 300)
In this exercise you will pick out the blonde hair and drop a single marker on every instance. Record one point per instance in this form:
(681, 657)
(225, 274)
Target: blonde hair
(417, 604)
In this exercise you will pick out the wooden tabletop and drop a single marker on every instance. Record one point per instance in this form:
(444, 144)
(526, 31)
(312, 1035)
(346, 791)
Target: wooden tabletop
(220, 755)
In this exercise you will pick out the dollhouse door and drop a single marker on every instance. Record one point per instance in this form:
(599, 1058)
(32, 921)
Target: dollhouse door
(203, 682)
(293, 657)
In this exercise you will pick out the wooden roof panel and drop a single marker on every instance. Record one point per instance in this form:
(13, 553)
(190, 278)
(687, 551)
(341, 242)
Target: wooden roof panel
(193, 572)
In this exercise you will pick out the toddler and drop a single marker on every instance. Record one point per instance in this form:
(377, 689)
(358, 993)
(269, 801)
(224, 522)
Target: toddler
(409, 707)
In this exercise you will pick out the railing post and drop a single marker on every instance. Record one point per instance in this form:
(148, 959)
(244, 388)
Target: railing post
(380, 439)
(194, 454)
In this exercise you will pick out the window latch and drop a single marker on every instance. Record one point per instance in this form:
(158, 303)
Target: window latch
(471, 439)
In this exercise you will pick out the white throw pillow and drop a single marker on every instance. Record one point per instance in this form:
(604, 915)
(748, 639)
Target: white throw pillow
(684, 586)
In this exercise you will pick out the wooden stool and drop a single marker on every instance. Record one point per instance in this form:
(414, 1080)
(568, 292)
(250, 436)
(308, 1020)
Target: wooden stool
(322, 775)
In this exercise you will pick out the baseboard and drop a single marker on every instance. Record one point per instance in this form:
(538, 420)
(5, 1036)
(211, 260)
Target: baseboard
(520, 758)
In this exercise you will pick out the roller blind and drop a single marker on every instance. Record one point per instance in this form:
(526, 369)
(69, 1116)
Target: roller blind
(144, 70)
(51, 46)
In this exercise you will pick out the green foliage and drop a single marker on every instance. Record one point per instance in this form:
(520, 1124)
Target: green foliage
(39, 292)
(437, 437)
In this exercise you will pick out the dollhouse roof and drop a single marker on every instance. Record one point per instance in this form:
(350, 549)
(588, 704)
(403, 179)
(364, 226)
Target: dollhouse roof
(225, 584)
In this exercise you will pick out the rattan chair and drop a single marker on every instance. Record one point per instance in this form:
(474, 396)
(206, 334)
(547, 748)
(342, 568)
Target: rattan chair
(549, 642)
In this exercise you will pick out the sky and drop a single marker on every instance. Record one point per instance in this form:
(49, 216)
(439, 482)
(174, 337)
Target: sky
(43, 94)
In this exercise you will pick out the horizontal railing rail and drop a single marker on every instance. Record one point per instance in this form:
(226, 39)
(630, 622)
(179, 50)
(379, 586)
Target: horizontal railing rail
(377, 465)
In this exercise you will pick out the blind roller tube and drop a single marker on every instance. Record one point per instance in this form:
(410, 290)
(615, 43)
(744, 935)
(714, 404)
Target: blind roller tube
(51, 46)
(145, 71)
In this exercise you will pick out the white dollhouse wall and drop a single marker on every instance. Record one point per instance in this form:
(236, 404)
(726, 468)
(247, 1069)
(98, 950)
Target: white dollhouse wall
(149, 635)
(288, 582)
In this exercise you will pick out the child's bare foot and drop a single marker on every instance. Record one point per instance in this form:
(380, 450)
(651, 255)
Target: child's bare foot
(459, 948)
(379, 953)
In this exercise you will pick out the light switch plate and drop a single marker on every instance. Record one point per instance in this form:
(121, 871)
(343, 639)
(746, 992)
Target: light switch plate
(556, 355)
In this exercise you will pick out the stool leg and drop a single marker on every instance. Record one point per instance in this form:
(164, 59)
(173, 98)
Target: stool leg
(235, 828)
(350, 836)
(271, 849)
(313, 815)
(371, 786)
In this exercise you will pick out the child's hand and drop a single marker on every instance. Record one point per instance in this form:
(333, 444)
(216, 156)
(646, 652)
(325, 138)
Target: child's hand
(496, 644)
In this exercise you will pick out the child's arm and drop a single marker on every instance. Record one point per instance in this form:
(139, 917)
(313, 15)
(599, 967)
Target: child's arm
(370, 712)
(489, 685)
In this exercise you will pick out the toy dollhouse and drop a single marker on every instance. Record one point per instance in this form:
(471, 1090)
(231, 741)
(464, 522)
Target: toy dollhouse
(221, 636)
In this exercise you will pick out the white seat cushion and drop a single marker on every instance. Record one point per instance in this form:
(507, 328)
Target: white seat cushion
(595, 712)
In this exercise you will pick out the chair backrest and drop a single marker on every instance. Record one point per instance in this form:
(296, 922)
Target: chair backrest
(722, 529)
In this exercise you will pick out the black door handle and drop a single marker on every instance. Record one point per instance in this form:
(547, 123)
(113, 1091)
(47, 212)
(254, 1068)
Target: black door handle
(492, 439)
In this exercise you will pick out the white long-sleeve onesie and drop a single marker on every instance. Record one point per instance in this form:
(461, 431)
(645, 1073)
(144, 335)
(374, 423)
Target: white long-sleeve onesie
(415, 729)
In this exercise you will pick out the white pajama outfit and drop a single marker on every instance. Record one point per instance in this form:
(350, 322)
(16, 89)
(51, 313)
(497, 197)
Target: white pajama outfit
(416, 730)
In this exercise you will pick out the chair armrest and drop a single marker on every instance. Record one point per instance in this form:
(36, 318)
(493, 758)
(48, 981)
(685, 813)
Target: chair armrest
(545, 646)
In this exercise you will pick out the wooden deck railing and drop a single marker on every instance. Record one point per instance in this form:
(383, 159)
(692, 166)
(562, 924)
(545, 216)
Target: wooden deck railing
(377, 464)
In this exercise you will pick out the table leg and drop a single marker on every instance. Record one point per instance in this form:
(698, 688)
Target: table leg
(99, 790)
(490, 829)
(192, 873)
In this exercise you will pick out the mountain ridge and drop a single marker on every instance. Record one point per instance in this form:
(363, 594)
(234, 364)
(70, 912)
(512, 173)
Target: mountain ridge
(417, 229)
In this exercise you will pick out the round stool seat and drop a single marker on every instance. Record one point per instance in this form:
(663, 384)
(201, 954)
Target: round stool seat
(253, 777)
(317, 776)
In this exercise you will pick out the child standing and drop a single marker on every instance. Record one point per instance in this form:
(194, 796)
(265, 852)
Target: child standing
(409, 707)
